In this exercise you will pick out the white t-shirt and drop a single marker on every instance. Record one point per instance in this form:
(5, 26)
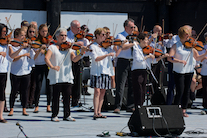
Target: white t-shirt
(103, 66)
(127, 54)
(65, 73)
(204, 63)
(138, 59)
(4, 61)
(23, 66)
(182, 53)
(40, 60)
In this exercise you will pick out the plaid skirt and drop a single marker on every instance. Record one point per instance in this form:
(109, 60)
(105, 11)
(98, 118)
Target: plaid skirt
(102, 82)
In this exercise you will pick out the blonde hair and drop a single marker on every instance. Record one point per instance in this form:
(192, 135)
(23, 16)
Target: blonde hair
(98, 31)
(182, 31)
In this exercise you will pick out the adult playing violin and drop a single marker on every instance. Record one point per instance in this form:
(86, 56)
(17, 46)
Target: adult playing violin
(156, 68)
(183, 74)
(86, 59)
(101, 71)
(75, 28)
(60, 73)
(123, 69)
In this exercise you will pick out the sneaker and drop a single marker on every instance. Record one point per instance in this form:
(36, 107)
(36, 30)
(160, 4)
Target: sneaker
(204, 111)
(69, 118)
(55, 119)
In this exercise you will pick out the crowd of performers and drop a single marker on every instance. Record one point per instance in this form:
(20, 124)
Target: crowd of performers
(32, 54)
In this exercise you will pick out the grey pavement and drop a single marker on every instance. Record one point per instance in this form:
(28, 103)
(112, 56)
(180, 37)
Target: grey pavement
(38, 125)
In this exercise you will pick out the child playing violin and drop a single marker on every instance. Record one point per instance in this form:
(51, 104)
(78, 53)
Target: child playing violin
(141, 63)
(20, 71)
(41, 69)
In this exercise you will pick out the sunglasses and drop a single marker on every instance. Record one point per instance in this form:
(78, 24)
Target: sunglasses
(103, 34)
(31, 31)
(132, 27)
(63, 35)
(108, 33)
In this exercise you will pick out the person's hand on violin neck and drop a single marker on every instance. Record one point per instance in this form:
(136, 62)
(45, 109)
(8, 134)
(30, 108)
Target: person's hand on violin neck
(83, 49)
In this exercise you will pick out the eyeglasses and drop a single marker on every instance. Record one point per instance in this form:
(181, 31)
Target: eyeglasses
(132, 27)
(63, 35)
(31, 31)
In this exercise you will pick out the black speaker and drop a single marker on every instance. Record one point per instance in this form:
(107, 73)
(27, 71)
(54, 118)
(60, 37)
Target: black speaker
(157, 120)
(109, 99)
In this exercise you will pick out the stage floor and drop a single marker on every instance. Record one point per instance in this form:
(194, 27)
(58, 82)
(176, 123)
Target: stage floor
(38, 125)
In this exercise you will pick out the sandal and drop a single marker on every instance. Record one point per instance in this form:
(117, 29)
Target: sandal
(95, 116)
(185, 115)
(101, 116)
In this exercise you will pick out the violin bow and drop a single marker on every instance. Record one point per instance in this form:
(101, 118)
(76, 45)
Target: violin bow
(196, 40)
(54, 33)
(147, 64)
(141, 23)
(163, 26)
(115, 30)
(143, 29)
(155, 45)
(7, 20)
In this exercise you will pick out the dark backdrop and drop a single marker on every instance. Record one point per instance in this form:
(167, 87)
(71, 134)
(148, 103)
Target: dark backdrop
(175, 12)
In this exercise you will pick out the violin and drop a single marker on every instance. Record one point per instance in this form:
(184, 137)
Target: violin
(46, 40)
(66, 45)
(5, 41)
(133, 37)
(80, 35)
(164, 36)
(148, 49)
(191, 43)
(16, 42)
(90, 36)
(106, 43)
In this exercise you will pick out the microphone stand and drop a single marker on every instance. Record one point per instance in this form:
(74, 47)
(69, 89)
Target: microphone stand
(20, 127)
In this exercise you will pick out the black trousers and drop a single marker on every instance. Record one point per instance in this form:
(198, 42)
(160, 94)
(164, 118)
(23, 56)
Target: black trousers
(171, 85)
(123, 73)
(65, 88)
(32, 87)
(77, 82)
(3, 79)
(20, 83)
(182, 82)
(139, 80)
(40, 72)
(204, 82)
